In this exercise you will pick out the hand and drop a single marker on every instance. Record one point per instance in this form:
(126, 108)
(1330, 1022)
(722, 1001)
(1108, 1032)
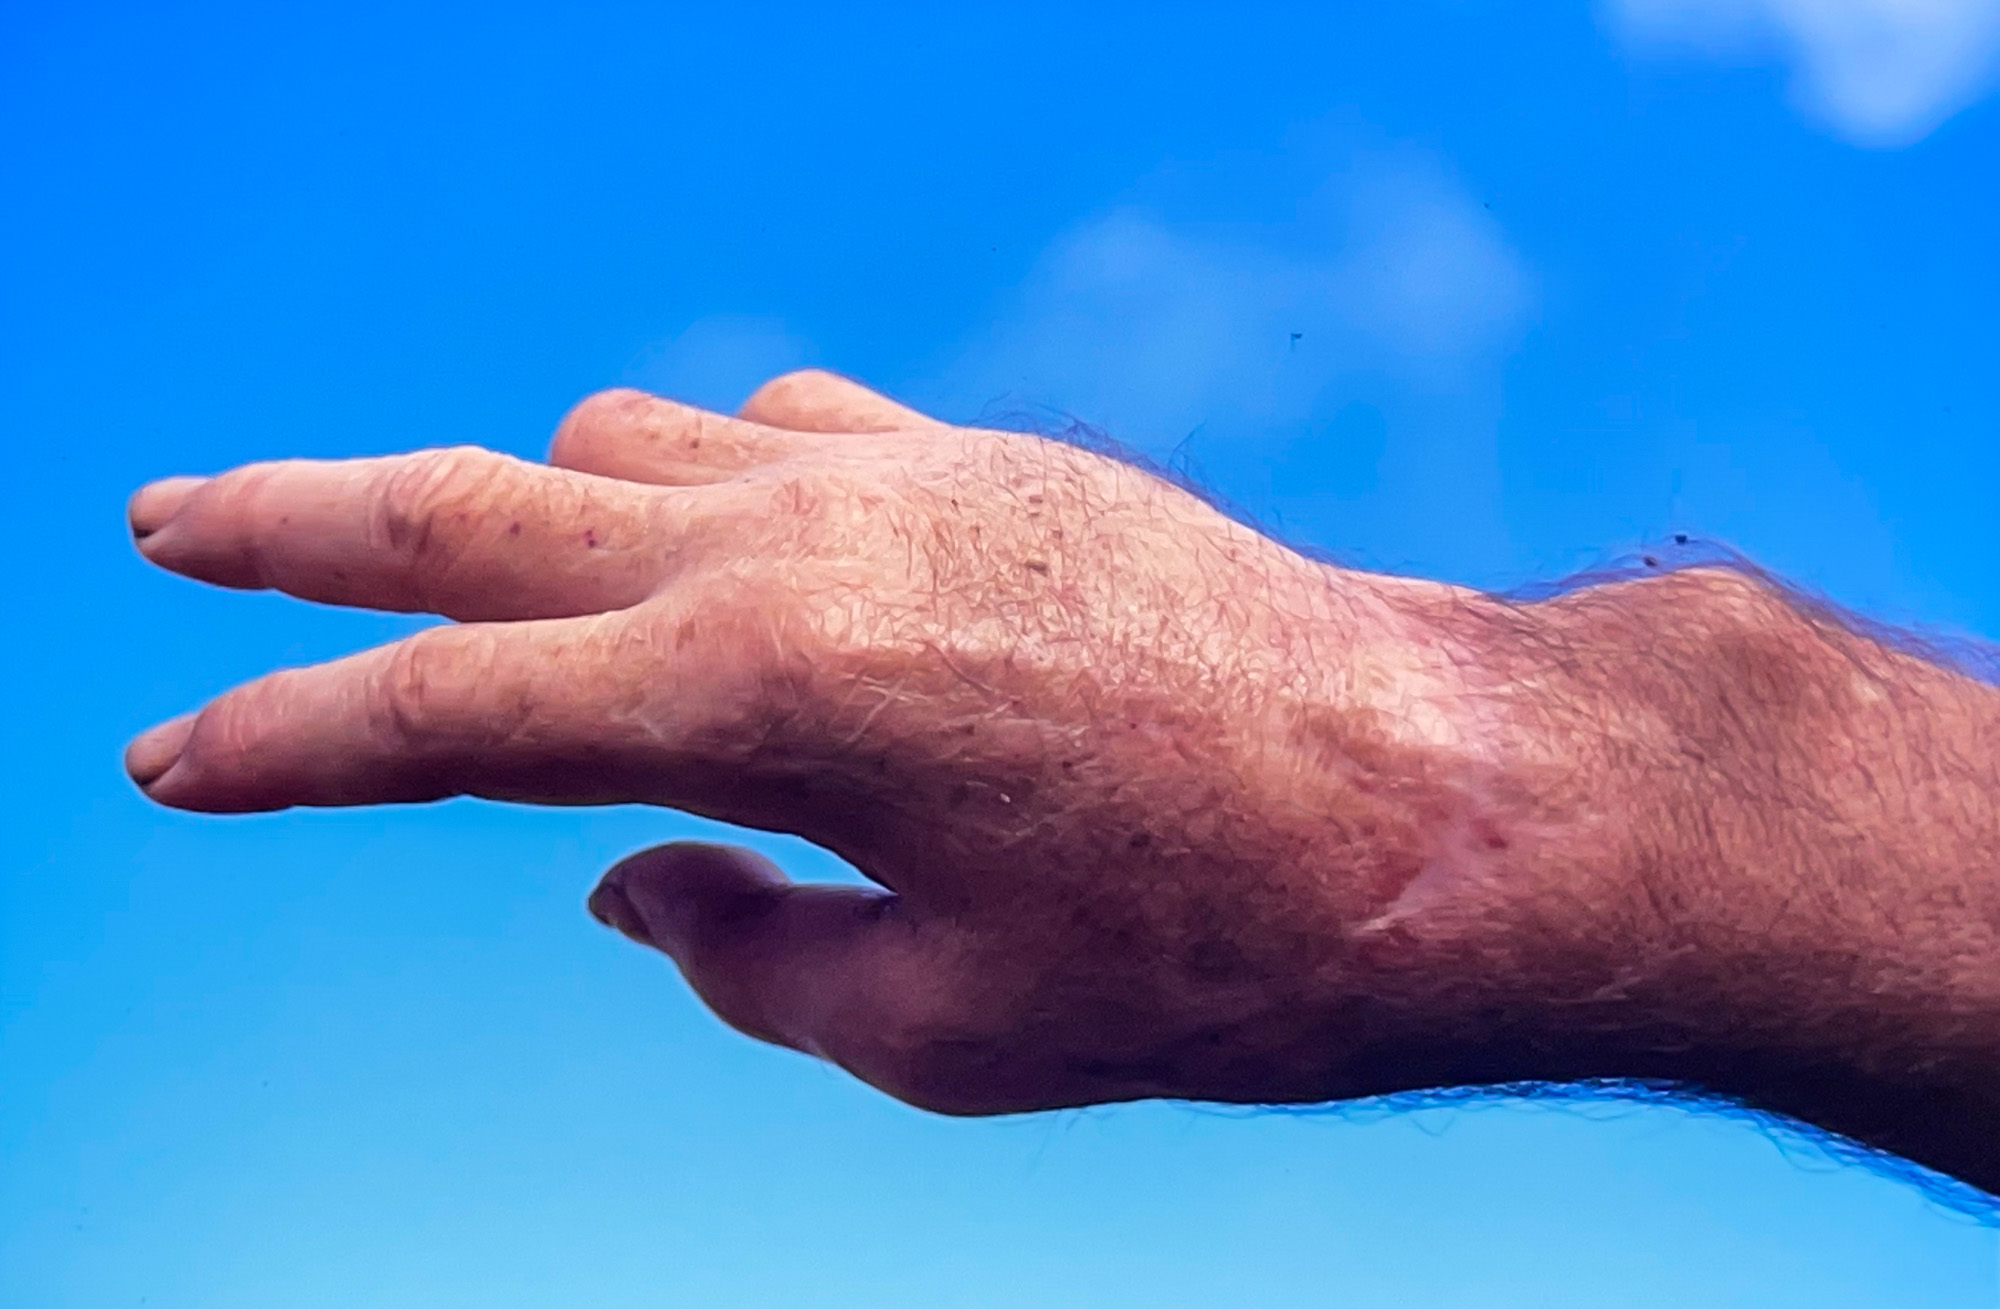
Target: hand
(1137, 781)
(1158, 806)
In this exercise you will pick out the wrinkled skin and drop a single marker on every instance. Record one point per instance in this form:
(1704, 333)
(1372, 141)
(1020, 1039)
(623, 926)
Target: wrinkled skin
(1143, 789)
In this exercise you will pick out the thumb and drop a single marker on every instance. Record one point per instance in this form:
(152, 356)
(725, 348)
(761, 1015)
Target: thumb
(836, 971)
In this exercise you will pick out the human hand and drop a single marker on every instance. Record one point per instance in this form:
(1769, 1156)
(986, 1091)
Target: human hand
(1157, 806)
(1135, 778)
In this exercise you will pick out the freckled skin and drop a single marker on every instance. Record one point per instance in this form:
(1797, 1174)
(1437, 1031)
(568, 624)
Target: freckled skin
(1156, 806)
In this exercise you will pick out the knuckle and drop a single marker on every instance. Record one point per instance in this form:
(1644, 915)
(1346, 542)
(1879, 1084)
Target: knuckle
(424, 696)
(748, 653)
(428, 501)
(221, 736)
(699, 427)
(243, 500)
(236, 733)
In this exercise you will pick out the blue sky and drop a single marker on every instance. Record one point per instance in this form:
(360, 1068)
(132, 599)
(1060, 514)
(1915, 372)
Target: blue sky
(1566, 279)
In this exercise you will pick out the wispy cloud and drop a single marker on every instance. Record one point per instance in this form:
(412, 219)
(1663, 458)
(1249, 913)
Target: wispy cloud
(1880, 73)
(1154, 328)
(1329, 358)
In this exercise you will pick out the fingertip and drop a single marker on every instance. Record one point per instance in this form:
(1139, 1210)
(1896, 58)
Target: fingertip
(609, 905)
(156, 750)
(671, 895)
(154, 505)
(604, 417)
(821, 969)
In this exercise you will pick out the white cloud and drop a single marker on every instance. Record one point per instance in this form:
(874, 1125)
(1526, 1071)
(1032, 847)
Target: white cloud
(1153, 328)
(1340, 356)
(1880, 73)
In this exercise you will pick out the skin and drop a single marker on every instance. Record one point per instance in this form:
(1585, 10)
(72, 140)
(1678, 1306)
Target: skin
(1157, 807)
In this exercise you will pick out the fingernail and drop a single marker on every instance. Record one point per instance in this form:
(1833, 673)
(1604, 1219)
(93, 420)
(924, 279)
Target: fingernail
(155, 504)
(610, 905)
(157, 749)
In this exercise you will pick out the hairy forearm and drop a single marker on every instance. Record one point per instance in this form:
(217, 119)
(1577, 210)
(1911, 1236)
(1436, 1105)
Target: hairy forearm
(1747, 850)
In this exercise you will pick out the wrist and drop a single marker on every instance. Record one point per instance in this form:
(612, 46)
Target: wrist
(1768, 872)
(1568, 894)
(1463, 865)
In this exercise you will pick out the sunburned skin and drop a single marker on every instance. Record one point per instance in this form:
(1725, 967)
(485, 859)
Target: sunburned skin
(1154, 805)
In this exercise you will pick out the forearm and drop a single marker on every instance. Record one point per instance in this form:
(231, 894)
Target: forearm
(1763, 862)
